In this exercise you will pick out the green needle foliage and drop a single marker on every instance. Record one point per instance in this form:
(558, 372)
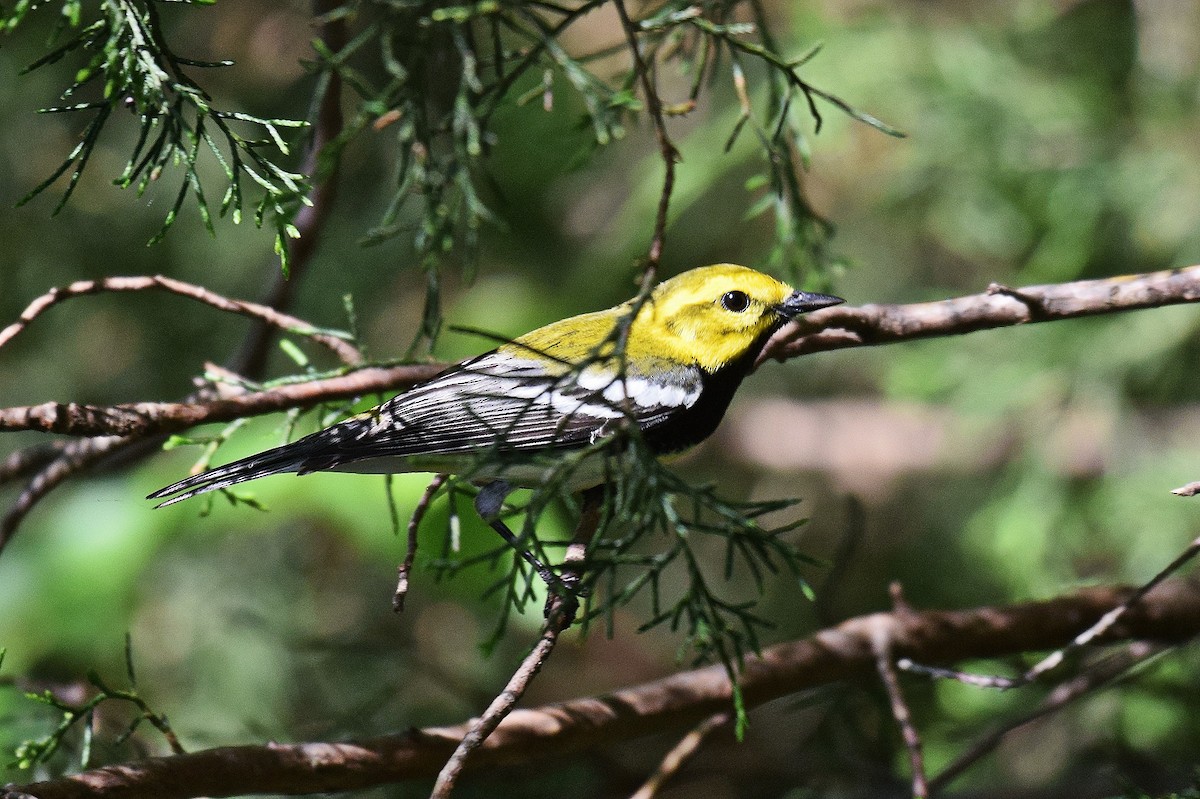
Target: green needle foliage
(434, 74)
(80, 717)
(127, 64)
(655, 535)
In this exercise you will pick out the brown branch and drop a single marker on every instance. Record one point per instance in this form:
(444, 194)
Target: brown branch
(139, 422)
(1170, 613)
(29, 460)
(831, 328)
(869, 325)
(669, 153)
(310, 219)
(344, 350)
(560, 613)
(881, 648)
(414, 524)
(75, 456)
(680, 754)
(152, 418)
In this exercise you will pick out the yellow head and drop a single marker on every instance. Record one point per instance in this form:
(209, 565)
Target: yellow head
(714, 315)
(707, 317)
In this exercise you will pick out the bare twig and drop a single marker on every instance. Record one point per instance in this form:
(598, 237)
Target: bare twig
(1170, 613)
(75, 456)
(680, 754)
(881, 647)
(1106, 621)
(669, 154)
(1098, 676)
(869, 325)
(310, 219)
(344, 350)
(414, 524)
(29, 460)
(1093, 632)
(560, 613)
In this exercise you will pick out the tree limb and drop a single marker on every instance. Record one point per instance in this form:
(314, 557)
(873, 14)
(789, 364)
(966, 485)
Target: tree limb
(153, 418)
(869, 325)
(1170, 613)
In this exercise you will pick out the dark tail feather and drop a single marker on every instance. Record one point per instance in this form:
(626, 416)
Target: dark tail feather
(288, 458)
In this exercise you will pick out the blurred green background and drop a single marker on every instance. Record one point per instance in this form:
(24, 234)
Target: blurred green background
(1046, 142)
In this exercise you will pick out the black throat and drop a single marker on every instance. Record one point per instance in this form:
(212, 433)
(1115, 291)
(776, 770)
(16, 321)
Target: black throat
(698, 422)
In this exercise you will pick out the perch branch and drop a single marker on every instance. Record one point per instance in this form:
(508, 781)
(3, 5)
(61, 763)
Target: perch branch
(153, 418)
(869, 325)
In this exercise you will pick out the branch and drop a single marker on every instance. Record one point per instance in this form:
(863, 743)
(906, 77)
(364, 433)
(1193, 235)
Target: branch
(560, 613)
(828, 329)
(73, 457)
(153, 418)
(869, 325)
(310, 220)
(344, 350)
(670, 155)
(1170, 613)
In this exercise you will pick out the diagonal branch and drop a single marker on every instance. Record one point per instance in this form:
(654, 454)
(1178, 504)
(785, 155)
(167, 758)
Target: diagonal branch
(560, 613)
(1171, 613)
(267, 315)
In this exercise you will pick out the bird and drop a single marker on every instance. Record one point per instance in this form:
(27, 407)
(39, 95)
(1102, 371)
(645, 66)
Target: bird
(667, 363)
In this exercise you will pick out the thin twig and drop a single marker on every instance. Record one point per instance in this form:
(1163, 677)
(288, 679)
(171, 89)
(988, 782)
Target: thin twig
(669, 154)
(881, 649)
(680, 754)
(1106, 621)
(310, 220)
(1091, 680)
(344, 350)
(1094, 631)
(26, 461)
(414, 523)
(75, 457)
(560, 613)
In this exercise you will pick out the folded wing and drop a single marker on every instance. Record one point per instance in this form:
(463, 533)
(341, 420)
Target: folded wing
(498, 402)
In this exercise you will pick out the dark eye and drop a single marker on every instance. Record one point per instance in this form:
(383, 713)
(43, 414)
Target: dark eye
(735, 301)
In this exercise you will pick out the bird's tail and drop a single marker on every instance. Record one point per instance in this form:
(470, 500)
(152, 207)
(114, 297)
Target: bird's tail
(288, 458)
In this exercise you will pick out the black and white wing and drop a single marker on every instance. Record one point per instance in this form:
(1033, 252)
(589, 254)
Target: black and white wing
(499, 402)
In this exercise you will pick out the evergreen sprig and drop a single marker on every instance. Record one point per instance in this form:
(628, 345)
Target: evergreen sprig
(128, 65)
(38, 751)
(434, 73)
(656, 530)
